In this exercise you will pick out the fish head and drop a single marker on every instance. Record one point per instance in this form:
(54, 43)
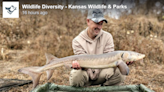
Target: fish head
(132, 56)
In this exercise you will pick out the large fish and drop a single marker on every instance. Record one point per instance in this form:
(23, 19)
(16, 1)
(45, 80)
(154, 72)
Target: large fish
(107, 60)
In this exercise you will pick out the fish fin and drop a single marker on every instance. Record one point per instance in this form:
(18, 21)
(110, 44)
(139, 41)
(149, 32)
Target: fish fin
(49, 73)
(124, 69)
(35, 75)
(49, 57)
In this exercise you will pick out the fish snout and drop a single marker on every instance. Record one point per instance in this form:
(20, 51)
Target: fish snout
(141, 56)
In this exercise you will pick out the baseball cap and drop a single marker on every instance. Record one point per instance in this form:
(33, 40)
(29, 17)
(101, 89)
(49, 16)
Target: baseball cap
(96, 15)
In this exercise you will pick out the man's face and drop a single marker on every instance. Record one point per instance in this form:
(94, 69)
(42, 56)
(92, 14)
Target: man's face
(94, 28)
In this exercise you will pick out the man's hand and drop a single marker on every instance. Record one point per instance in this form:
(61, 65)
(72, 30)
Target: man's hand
(75, 65)
(128, 63)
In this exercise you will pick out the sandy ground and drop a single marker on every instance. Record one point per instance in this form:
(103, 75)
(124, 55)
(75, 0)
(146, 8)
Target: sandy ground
(150, 75)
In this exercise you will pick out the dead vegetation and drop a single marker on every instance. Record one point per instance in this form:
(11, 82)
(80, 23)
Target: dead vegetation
(24, 41)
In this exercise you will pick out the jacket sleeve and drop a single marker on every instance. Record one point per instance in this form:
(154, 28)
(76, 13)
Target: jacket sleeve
(77, 48)
(109, 47)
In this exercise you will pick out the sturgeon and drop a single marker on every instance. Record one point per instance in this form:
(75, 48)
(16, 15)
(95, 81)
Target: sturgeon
(100, 61)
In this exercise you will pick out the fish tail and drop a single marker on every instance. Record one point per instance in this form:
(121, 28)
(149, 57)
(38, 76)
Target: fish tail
(31, 71)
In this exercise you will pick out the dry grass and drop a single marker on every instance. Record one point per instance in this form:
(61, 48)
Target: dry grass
(25, 40)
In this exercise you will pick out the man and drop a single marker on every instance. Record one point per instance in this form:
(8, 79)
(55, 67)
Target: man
(94, 40)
